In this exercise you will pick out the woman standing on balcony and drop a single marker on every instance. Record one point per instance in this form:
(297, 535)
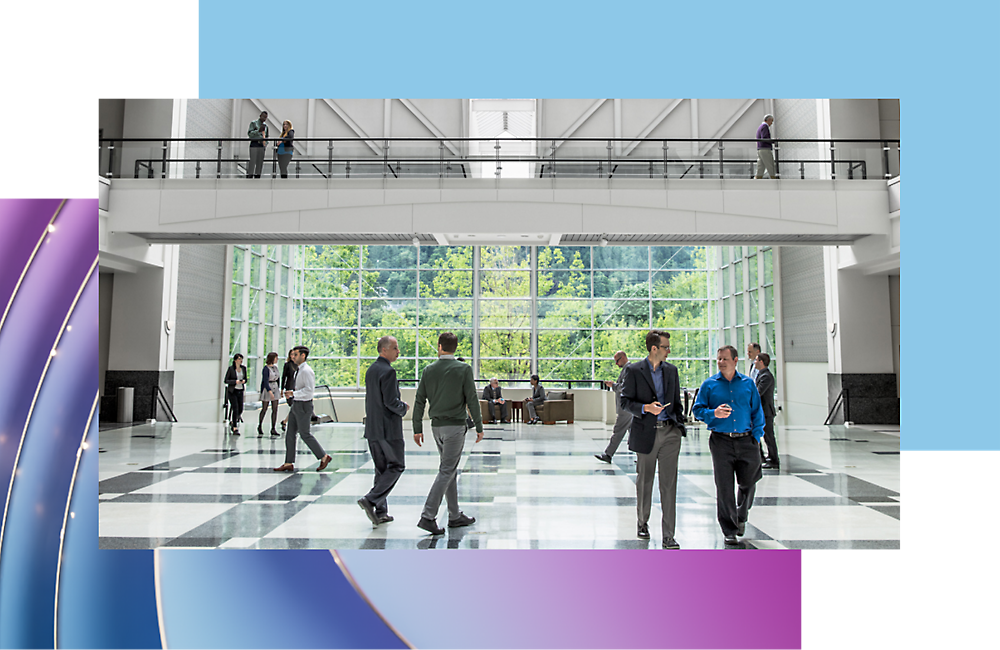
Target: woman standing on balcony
(269, 394)
(285, 147)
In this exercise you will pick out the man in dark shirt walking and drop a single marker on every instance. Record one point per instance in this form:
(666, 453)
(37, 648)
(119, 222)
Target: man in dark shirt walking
(384, 412)
(449, 386)
(765, 156)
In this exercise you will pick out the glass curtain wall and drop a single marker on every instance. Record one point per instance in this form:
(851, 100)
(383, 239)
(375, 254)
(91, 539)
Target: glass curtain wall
(743, 300)
(559, 311)
(263, 312)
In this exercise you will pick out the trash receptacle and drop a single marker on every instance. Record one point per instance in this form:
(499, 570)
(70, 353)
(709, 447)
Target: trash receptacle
(126, 395)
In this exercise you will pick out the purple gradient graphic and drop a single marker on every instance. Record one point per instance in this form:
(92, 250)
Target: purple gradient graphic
(264, 599)
(42, 485)
(37, 313)
(22, 222)
(585, 599)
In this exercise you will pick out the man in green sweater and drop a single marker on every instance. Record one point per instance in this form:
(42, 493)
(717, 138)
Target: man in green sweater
(448, 385)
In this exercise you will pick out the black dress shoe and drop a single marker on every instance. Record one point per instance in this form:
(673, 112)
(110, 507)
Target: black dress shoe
(770, 465)
(274, 434)
(430, 526)
(731, 541)
(671, 544)
(384, 519)
(369, 509)
(642, 532)
(604, 458)
(741, 528)
(462, 520)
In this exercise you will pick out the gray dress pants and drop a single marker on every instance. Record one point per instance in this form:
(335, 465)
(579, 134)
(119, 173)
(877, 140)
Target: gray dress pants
(504, 410)
(663, 456)
(765, 161)
(622, 422)
(531, 409)
(256, 164)
(298, 423)
(450, 441)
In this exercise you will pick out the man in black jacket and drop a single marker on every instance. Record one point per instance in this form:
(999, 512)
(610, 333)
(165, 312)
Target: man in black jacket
(765, 386)
(652, 394)
(384, 412)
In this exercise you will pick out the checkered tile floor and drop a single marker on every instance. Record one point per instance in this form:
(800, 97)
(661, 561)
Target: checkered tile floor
(192, 485)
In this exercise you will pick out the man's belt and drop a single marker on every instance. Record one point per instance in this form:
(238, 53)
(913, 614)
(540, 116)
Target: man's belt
(734, 435)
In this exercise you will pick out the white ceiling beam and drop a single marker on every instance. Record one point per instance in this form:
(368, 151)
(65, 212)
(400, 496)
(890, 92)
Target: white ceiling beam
(579, 122)
(342, 114)
(652, 125)
(705, 148)
(311, 125)
(387, 118)
(441, 239)
(430, 125)
(554, 238)
(618, 126)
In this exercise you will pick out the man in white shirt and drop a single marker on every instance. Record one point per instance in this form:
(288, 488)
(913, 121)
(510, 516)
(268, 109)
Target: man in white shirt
(753, 349)
(300, 414)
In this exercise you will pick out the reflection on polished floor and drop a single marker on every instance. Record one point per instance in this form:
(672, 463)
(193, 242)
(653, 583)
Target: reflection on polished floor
(192, 485)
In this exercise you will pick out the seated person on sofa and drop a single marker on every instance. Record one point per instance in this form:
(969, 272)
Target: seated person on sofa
(536, 400)
(495, 401)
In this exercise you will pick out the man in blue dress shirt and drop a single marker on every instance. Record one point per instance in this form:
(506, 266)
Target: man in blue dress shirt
(729, 405)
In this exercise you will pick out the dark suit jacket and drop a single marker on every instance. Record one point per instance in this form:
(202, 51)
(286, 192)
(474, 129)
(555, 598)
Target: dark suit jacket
(491, 395)
(384, 410)
(232, 378)
(638, 390)
(765, 386)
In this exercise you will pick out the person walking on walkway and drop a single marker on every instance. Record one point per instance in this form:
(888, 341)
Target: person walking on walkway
(622, 417)
(300, 414)
(449, 386)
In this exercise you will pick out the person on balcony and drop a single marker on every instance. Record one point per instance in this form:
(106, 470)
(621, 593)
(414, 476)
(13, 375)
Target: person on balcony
(765, 156)
(285, 147)
(537, 399)
(258, 145)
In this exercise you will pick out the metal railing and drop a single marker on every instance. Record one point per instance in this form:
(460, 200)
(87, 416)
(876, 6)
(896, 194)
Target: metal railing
(393, 158)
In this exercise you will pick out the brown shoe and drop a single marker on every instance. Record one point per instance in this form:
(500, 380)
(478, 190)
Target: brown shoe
(287, 467)
(323, 463)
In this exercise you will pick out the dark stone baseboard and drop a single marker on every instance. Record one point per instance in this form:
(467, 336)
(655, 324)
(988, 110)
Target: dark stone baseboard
(871, 397)
(143, 382)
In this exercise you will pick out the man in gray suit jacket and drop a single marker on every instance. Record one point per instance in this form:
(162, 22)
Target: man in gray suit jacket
(495, 401)
(384, 412)
(765, 386)
(536, 400)
(623, 418)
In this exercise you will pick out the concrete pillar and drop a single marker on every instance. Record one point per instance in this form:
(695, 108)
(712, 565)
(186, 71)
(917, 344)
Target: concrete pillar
(860, 343)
